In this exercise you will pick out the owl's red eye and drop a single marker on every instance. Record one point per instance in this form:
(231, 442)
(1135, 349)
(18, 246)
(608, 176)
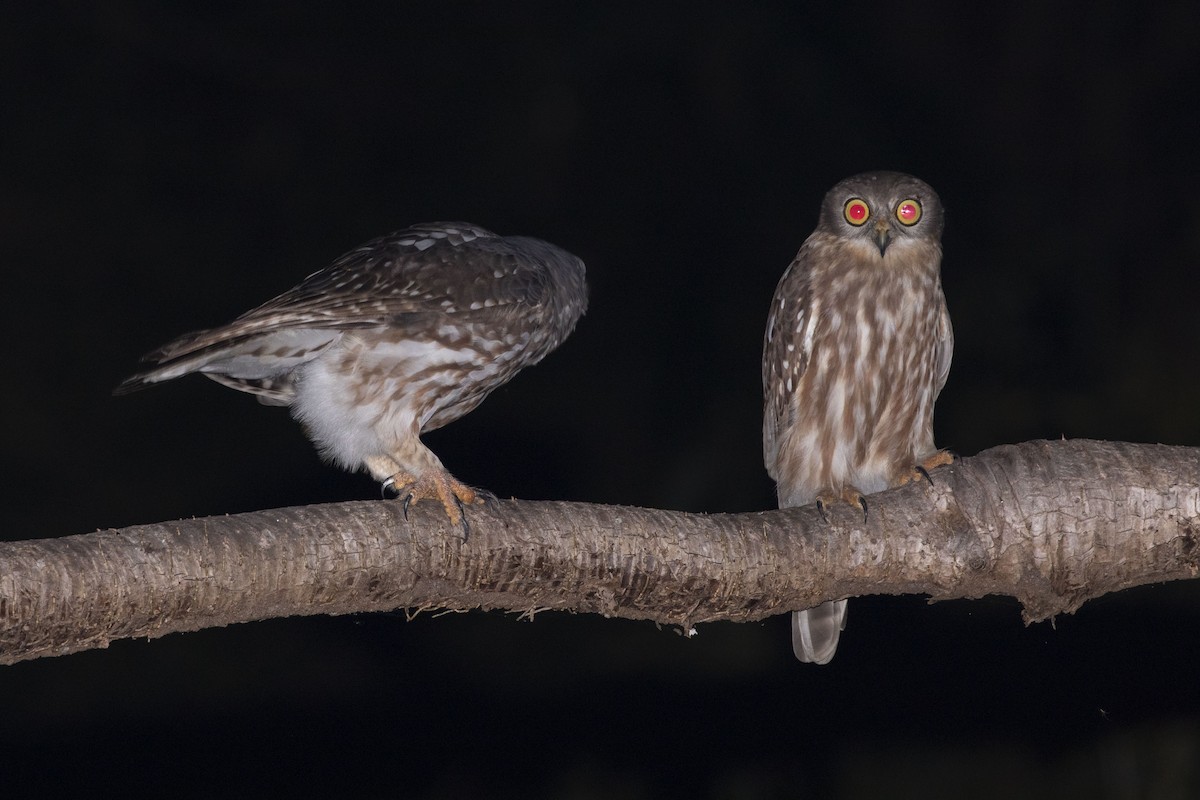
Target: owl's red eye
(908, 212)
(856, 211)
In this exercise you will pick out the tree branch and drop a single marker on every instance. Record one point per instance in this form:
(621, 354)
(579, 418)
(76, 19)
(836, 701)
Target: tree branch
(1050, 523)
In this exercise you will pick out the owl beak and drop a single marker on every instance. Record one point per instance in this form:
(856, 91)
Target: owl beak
(883, 236)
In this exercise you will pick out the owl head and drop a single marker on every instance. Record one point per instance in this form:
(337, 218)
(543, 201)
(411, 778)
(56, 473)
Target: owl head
(885, 210)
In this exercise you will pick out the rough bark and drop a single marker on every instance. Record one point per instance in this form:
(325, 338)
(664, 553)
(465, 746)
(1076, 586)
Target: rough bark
(1050, 523)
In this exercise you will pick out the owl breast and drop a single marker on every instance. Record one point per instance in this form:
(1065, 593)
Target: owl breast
(862, 413)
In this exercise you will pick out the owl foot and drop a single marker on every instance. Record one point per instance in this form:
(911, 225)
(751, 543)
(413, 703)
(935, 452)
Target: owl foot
(848, 494)
(437, 485)
(919, 471)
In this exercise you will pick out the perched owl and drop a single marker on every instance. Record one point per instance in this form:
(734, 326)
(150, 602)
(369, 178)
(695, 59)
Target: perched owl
(857, 348)
(399, 336)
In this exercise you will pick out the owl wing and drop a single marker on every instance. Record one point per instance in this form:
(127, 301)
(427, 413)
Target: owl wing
(944, 349)
(787, 349)
(438, 268)
(405, 279)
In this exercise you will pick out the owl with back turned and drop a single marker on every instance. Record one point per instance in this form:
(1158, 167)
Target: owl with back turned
(397, 337)
(857, 348)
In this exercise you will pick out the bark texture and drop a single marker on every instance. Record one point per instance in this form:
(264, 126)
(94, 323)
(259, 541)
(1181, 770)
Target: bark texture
(1050, 523)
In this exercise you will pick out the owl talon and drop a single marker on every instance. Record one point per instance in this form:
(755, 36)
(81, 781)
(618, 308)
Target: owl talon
(410, 498)
(848, 495)
(922, 470)
(462, 515)
(484, 497)
(438, 485)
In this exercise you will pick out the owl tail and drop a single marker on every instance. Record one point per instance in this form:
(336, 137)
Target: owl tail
(815, 631)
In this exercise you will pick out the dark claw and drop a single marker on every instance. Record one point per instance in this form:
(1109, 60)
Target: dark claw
(821, 509)
(408, 498)
(862, 503)
(463, 513)
(925, 474)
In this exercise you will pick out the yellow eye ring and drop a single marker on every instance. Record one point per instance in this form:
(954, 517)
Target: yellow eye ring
(909, 211)
(856, 211)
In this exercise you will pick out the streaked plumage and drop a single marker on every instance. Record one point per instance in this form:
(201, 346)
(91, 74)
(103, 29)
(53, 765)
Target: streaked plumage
(399, 336)
(857, 347)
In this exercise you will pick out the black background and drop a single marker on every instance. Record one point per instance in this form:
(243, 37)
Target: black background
(163, 167)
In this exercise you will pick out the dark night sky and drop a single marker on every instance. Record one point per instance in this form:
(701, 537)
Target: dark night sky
(164, 167)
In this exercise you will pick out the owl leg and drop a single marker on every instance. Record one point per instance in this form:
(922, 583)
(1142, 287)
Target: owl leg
(921, 471)
(847, 494)
(427, 480)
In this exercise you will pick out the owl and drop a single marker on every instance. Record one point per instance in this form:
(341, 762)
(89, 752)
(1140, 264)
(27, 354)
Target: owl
(397, 337)
(857, 348)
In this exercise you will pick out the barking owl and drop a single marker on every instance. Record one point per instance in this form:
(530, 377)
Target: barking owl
(397, 337)
(857, 348)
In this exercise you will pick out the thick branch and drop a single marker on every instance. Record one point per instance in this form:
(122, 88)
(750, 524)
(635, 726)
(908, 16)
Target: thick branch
(1051, 523)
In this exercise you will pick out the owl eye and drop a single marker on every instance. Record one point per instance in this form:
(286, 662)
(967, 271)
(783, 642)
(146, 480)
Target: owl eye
(908, 212)
(856, 211)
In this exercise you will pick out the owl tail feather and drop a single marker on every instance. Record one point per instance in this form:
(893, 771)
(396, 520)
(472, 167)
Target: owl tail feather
(815, 631)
